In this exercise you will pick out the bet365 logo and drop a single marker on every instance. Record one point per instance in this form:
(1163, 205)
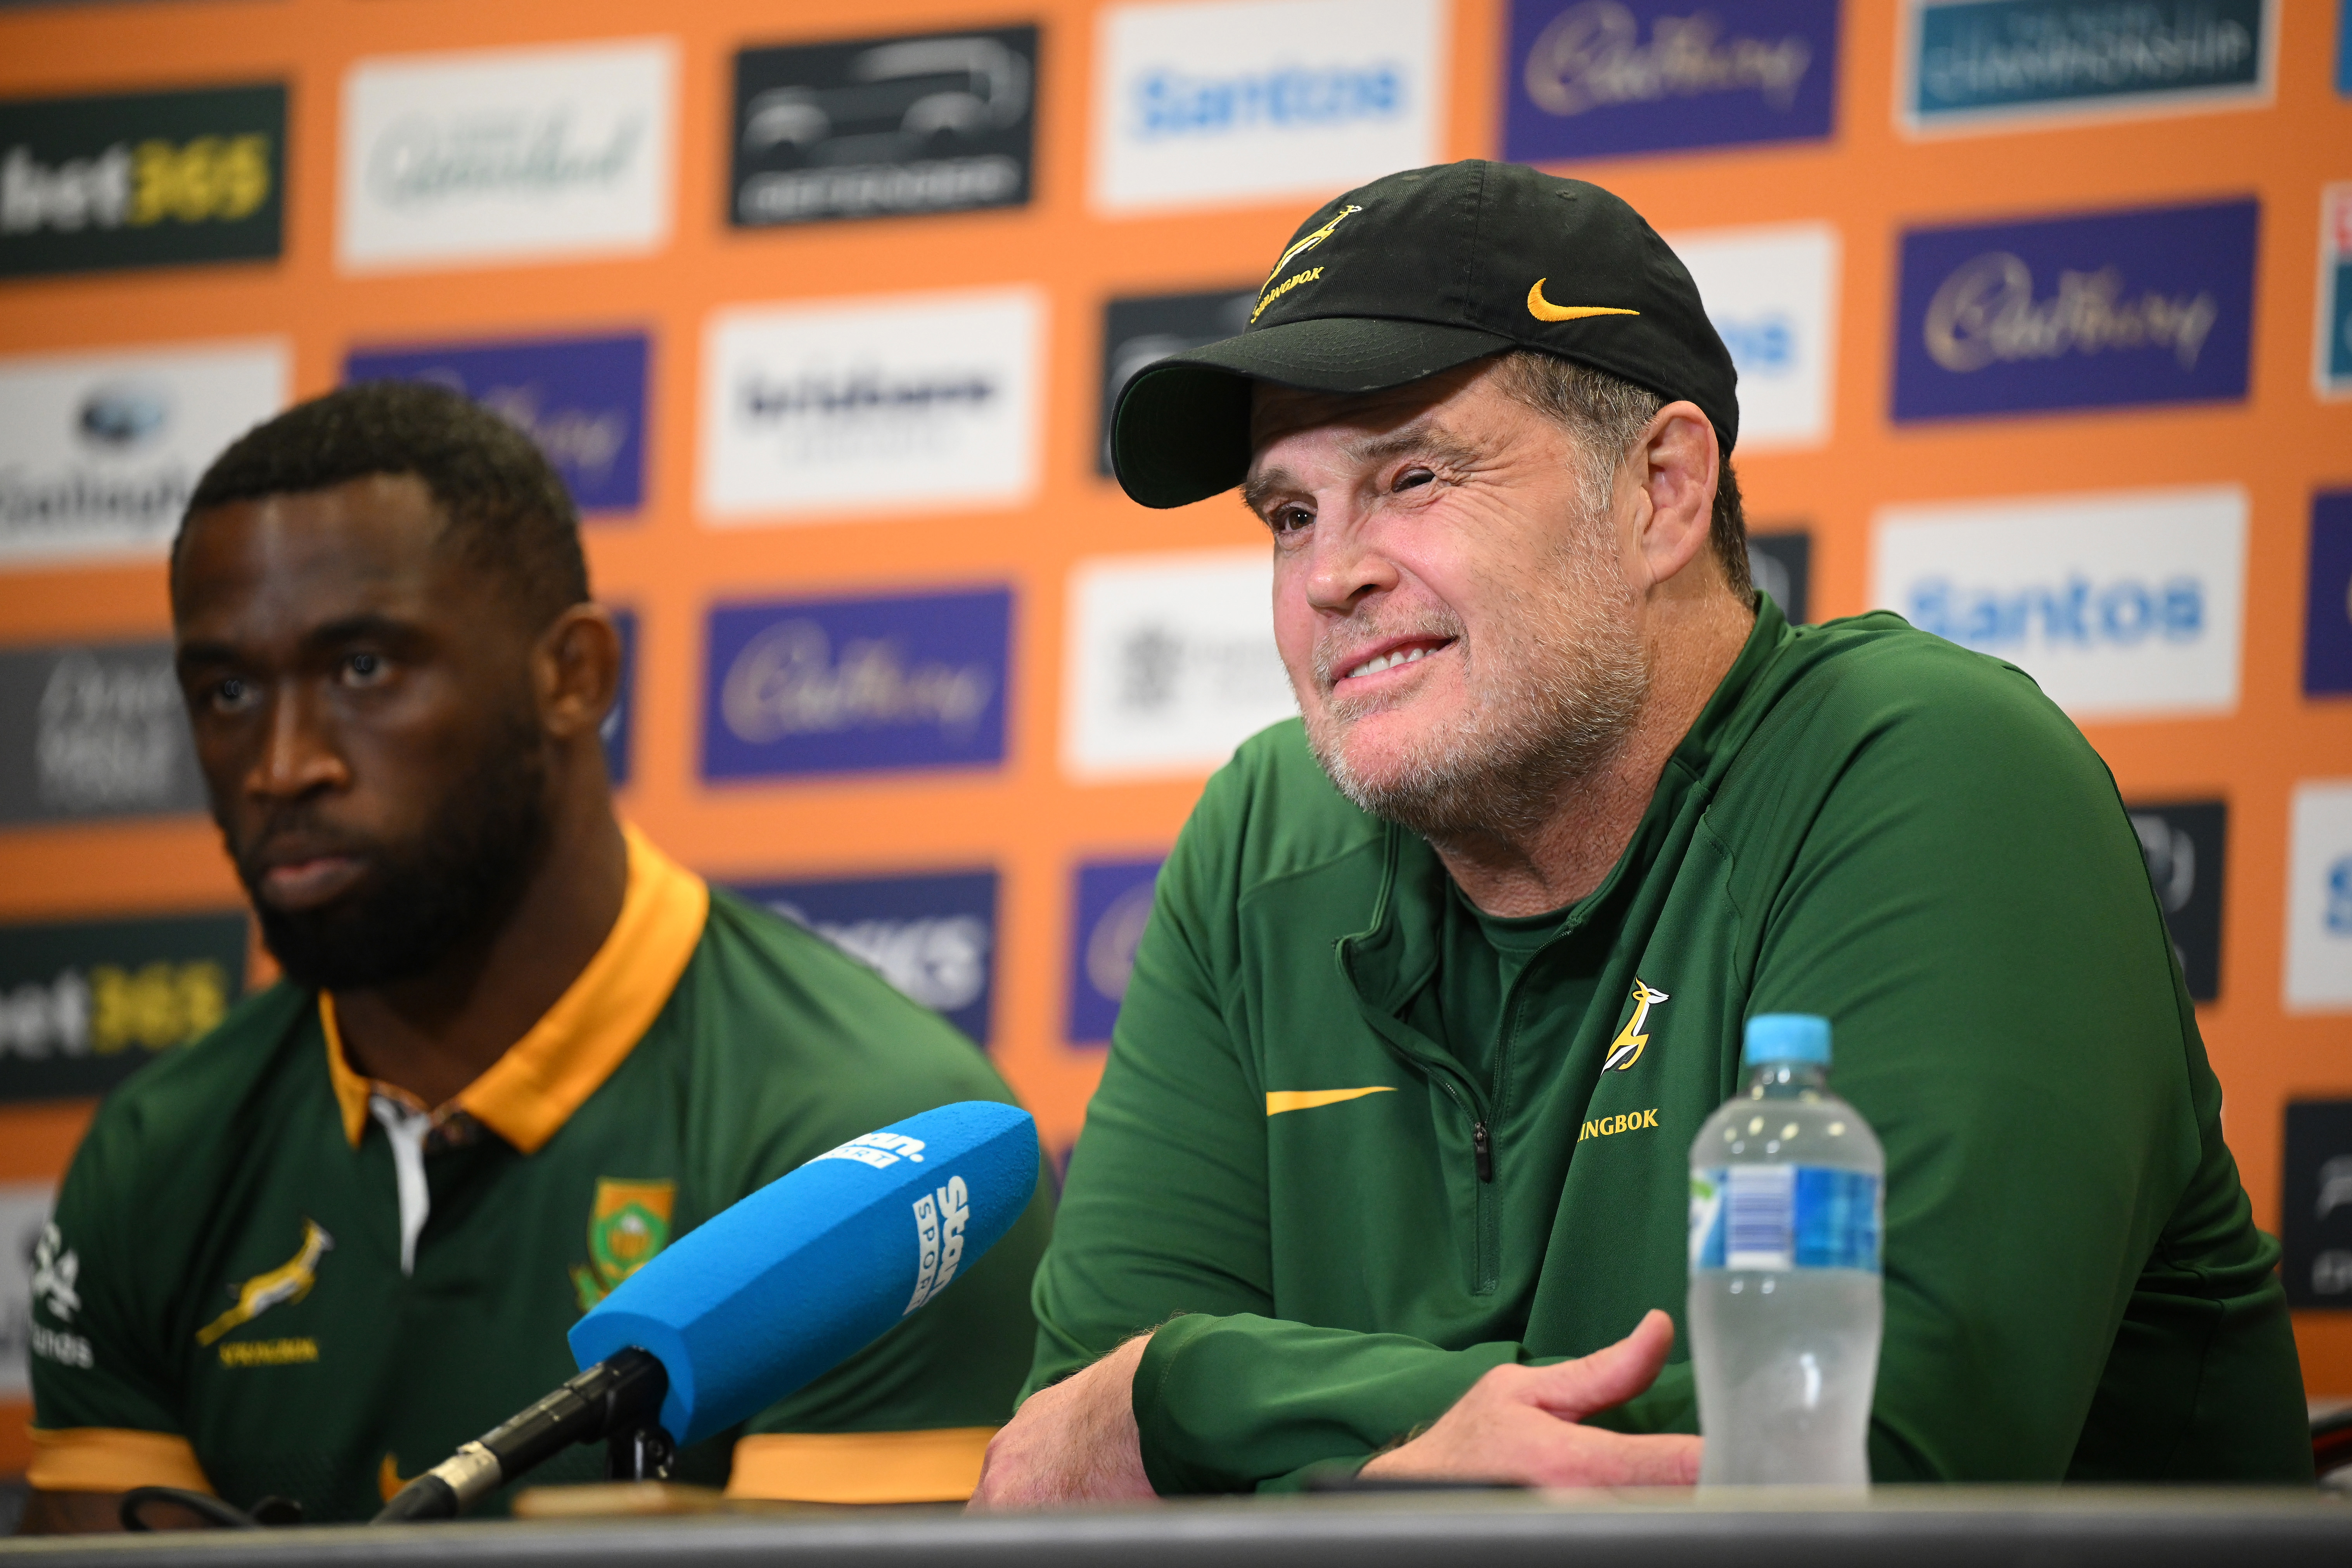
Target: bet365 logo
(142, 179)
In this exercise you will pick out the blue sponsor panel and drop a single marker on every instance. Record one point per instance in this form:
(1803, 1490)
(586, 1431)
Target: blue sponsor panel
(800, 686)
(620, 724)
(1978, 60)
(2328, 617)
(2344, 47)
(932, 935)
(1113, 900)
(2153, 305)
(582, 399)
(1588, 78)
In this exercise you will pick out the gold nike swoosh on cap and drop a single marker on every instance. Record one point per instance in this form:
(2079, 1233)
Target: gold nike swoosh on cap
(1543, 310)
(1279, 1100)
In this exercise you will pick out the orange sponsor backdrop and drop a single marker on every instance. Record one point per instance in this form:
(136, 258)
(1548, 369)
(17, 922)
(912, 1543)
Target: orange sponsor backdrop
(1026, 819)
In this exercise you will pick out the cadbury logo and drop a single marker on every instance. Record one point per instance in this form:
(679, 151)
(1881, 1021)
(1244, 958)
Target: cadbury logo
(1987, 313)
(1592, 57)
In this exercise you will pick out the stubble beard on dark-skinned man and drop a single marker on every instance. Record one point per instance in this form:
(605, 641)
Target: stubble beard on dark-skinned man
(422, 900)
(1559, 681)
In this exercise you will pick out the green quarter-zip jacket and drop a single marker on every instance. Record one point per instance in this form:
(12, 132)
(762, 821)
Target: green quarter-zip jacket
(1346, 1165)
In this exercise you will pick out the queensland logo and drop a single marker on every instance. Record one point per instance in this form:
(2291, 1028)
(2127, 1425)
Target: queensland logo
(289, 1281)
(1239, 99)
(881, 127)
(142, 179)
(506, 153)
(1627, 1048)
(2151, 305)
(1606, 76)
(1970, 62)
(628, 1223)
(848, 685)
(939, 1220)
(880, 1150)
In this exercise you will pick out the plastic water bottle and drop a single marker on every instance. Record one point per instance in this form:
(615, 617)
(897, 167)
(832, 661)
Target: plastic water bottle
(1785, 1309)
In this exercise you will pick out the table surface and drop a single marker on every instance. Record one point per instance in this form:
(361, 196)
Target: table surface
(1944, 1527)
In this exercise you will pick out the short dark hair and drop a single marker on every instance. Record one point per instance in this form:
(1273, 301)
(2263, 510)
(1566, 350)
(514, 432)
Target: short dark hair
(1605, 413)
(507, 509)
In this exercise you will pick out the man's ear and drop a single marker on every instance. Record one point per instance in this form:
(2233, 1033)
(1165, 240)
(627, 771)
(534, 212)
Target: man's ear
(1676, 463)
(576, 668)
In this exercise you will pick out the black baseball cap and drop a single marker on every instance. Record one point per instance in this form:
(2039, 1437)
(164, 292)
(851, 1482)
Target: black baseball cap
(1416, 273)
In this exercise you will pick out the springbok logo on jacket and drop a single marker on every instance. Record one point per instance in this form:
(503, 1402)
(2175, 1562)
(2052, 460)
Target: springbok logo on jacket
(1626, 1048)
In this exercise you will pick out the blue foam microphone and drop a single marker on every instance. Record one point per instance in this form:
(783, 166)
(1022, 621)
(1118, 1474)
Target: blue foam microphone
(769, 1294)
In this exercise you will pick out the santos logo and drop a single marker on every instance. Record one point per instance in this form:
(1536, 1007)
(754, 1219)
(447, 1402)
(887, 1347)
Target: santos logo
(867, 405)
(1171, 663)
(506, 156)
(1198, 104)
(2319, 899)
(1772, 295)
(99, 453)
(2123, 605)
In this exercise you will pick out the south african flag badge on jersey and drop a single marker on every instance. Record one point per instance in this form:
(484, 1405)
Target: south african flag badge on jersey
(629, 1224)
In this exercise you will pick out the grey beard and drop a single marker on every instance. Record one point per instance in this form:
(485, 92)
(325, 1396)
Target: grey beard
(1548, 714)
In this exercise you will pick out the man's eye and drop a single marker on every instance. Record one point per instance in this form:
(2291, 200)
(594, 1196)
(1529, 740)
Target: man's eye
(1413, 478)
(231, 695)
(363, 669)
(1290, 519)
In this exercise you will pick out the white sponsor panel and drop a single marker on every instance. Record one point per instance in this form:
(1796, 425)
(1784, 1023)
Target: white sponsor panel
(2319, 898)
(506, 156)
(1171, 663)
(911, 401)
(1771, 292)
(1205, 104)
(2122, 606)
(100, 452)
(24, 1211)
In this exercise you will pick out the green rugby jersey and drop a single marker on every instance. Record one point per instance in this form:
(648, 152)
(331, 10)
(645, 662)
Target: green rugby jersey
(229, 1307)
(1369, 1150)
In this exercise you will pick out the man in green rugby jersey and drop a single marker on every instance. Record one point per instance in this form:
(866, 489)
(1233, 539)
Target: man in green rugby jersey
(516, 1051)
(1388, 1167)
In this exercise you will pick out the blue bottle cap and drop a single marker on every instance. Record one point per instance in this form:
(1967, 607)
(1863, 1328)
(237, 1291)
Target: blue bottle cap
(1787, 1037)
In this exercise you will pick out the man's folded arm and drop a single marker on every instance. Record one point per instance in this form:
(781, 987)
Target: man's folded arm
(1971, 910)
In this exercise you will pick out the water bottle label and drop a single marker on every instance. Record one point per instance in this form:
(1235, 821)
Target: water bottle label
(1783, 1216)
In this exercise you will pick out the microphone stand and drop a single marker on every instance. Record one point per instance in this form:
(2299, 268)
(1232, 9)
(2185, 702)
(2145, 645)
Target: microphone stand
(619, 1398)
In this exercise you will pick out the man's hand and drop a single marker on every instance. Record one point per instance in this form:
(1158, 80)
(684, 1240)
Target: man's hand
(1074, 1442)
(1519, 1424)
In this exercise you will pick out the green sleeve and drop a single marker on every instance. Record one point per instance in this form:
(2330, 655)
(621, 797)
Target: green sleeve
(96, 1357)
(1970, 908)
(1165, 1218)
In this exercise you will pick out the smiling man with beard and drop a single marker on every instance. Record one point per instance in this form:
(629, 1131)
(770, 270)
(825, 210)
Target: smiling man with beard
(1387, 1172)
(516, 1048)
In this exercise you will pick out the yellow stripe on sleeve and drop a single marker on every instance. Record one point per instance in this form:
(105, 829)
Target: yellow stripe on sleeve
(941, 1465)
(112, 1459)
(1281, 1100)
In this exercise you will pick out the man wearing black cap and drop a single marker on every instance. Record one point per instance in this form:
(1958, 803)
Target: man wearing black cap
(1390, 1152)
